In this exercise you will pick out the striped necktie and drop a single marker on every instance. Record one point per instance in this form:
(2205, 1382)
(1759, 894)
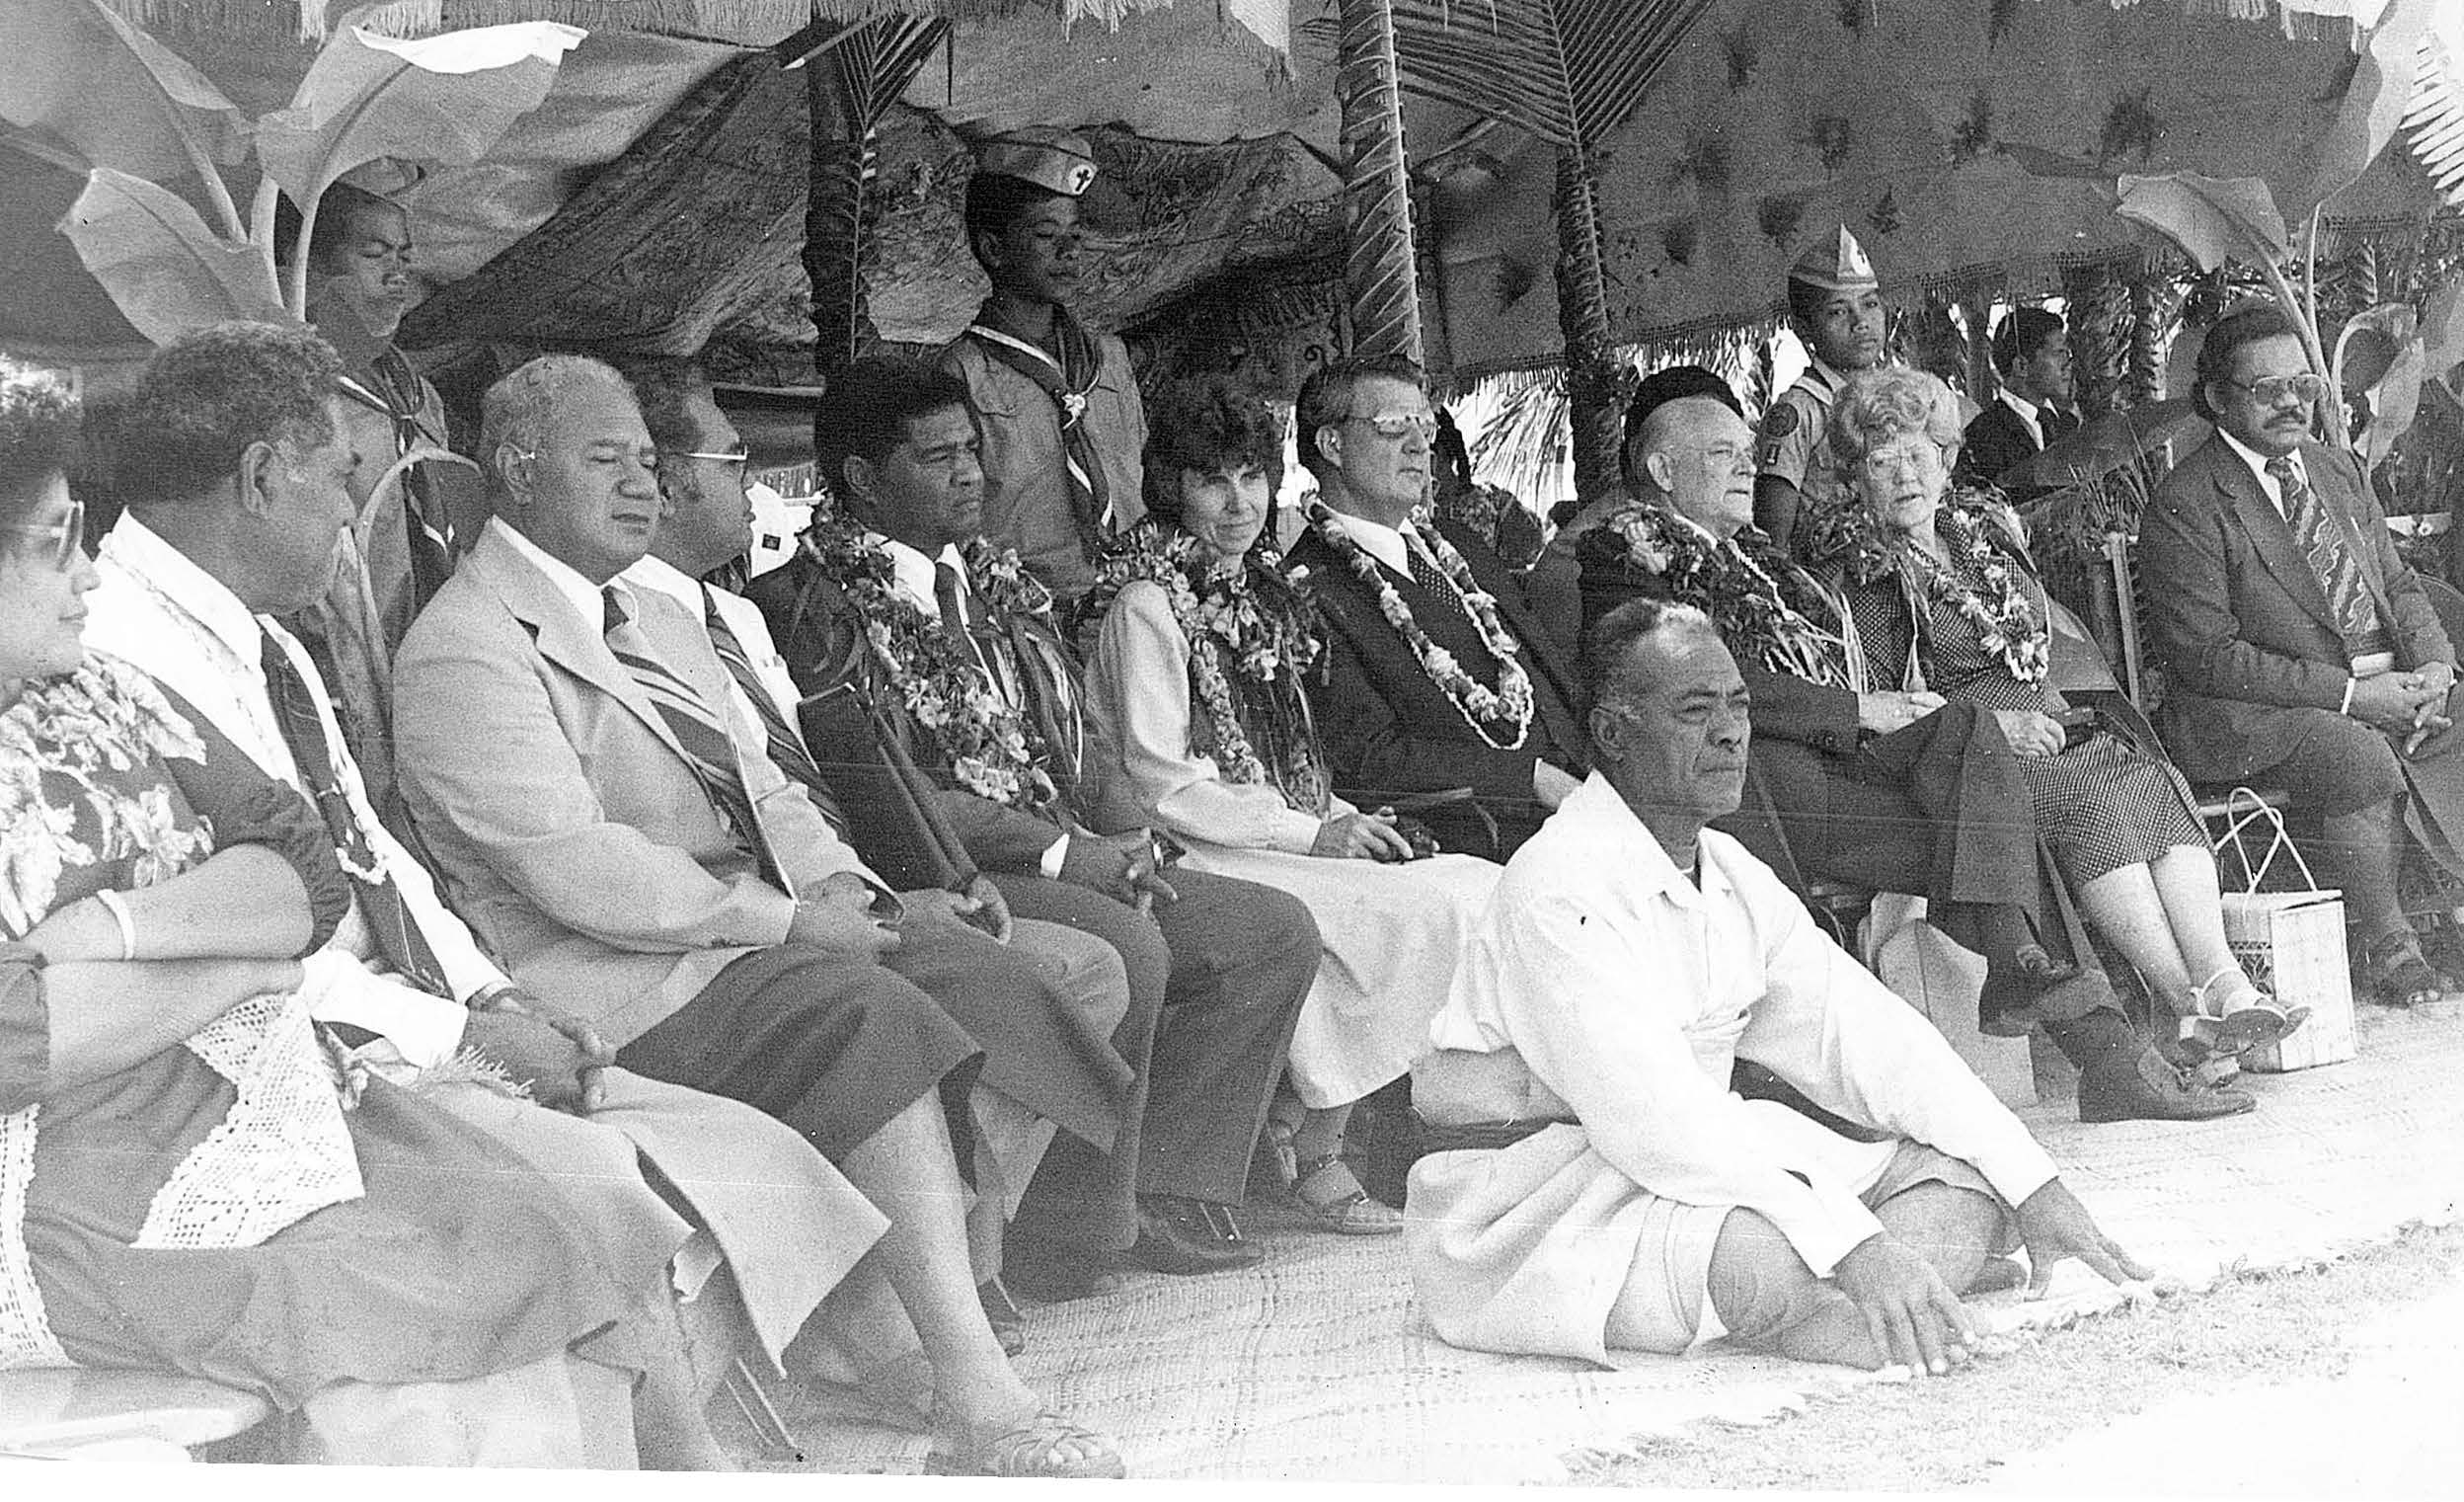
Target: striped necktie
(699, 731)
(398, 938)
(785, 743)
(2322, 545)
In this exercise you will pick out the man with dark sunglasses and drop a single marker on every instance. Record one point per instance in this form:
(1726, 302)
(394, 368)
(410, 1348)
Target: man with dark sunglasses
(2298, 645)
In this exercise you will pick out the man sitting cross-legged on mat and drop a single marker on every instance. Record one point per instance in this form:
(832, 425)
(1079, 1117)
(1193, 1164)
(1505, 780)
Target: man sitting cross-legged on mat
(1592, 1183)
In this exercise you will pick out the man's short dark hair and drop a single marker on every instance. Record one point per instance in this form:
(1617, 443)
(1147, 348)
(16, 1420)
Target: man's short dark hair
(38, 435)
(2020, 334)
(1326, 397)
(1207, 424)
(1614, 636)
(208, 395)
(1675, 383)
(870, 409)
(664, 387)
(2243, 326)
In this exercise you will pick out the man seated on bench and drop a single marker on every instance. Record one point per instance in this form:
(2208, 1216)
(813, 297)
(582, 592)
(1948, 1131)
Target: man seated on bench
(1593, 1184)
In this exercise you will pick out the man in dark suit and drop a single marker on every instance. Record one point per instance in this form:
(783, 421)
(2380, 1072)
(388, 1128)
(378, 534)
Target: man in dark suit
(1437, 677)
(902, 601)
(2031, 414)
(1889, 790)
(2297, 645)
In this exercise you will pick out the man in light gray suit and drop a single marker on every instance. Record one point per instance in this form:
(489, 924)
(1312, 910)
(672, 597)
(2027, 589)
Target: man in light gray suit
(616, 831)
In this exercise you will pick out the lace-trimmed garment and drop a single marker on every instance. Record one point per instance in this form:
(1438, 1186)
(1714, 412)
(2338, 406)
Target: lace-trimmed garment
(213, 1210)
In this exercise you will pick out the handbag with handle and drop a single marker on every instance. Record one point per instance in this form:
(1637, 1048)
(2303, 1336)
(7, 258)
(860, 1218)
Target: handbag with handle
(2291, 943)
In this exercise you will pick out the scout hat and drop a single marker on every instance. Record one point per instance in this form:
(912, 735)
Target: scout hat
(1835, 268)
(1054, 160)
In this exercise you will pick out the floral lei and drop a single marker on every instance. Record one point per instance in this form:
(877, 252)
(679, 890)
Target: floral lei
(1744, 600)
(1481, 706)
(2010, 624)
(1232, 634)
(944, 689)
(105, 716)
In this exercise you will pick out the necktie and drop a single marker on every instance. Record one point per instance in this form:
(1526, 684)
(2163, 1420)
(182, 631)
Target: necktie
(398, 939)
(1425, 570)
(787, 746)
(700, 733)
(952, 598)
(2322, 545)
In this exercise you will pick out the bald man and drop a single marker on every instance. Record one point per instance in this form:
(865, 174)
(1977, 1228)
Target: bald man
(1879, 788)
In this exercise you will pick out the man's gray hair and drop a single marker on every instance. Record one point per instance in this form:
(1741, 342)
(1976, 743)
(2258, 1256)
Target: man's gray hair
(516, 409)
(1621, 630)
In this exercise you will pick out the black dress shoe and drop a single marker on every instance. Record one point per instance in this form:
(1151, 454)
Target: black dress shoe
(1185, 1237)
(2143, 1086)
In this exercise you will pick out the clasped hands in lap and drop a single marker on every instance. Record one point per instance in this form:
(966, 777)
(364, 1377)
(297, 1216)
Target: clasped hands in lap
(2412, 705)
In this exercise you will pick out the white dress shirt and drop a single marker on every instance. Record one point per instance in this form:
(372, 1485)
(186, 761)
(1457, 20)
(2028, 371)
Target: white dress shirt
(1389, 545)
(2028, 415)
(2258, 463)
(186, 630)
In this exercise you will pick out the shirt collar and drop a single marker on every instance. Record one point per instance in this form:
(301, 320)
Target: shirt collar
(2258, 463)
(2029, 411)
(1384, 543)
(144, 553)
(656, 572)
(914, 570)
(567, 580)
(1637, 852)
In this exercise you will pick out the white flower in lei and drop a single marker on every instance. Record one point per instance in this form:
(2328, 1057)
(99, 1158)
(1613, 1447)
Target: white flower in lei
(1481, 706)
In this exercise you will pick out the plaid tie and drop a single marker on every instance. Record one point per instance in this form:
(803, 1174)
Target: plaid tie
(701, 734)
(2322, 545)
(787, 746)
(398, 939)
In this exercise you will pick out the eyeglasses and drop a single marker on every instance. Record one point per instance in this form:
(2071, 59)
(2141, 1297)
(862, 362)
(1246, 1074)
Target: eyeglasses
(1921, 454)
(66, 535)
(2271, 389)
(1394, 424)
(737, 458)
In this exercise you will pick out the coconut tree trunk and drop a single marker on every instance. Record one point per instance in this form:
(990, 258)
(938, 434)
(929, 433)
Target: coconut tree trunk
(1377, 190)
(1582, 320)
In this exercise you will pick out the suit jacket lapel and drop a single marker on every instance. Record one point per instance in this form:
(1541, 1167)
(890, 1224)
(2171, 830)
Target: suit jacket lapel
(2271, 537)
(562, 637)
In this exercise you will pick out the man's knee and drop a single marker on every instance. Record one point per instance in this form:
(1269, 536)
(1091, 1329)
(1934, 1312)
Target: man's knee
(1759, 1285)
(2342, 766)
(1226, 927)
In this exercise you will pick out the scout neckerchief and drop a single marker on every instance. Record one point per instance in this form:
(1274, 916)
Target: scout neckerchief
(388, 385)
(1067, 380)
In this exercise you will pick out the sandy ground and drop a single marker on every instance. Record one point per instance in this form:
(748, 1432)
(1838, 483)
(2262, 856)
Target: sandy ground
(2390, 1425)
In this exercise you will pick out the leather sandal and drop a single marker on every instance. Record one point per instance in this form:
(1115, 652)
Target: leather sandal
(1326, 1188)
(1031, 1448)
(2230, 1015)
(2397, 972)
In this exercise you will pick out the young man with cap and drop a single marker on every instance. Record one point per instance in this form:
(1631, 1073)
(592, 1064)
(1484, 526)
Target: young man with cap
(2032, 350)
(1835, 305)
(1054, 402)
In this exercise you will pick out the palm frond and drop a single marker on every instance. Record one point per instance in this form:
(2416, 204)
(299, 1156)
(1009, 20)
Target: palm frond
(1568, 71)
(854, 74)
(1519, 420)
(2433, 114)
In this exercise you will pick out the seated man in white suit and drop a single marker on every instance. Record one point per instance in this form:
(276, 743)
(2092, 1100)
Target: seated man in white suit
(1592, 1183)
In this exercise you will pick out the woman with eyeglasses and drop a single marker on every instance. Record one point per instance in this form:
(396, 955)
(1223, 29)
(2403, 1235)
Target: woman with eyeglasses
(1943, 596)
(191, 1181)
(1195, 678)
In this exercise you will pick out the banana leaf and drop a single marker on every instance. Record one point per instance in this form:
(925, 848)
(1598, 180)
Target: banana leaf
(2433, 114)
(164, 269)
(2395, 394)
(2213, 219)
(442, 99)
(2374, 102)
(74, 72)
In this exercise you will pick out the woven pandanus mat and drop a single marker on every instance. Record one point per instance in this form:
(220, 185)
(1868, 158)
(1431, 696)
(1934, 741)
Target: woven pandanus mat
(1317, 1365)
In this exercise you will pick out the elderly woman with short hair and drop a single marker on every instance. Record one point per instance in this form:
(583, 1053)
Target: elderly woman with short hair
(1943, 594)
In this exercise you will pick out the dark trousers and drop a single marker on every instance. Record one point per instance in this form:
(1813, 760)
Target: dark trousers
(1216, 983)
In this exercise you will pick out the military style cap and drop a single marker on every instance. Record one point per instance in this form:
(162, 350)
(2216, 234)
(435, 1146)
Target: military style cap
(1056, 160)
(1835, 268)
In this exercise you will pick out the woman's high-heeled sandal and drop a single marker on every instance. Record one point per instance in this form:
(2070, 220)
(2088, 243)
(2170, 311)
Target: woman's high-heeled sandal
(1327, 1189)
(2398, 972)
(2228, 1014)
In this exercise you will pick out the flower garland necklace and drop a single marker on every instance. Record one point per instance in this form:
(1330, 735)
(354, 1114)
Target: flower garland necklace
(945, 689)
(1722, 578)
(1232, 634)
(2002, 606)
(1479, 705)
